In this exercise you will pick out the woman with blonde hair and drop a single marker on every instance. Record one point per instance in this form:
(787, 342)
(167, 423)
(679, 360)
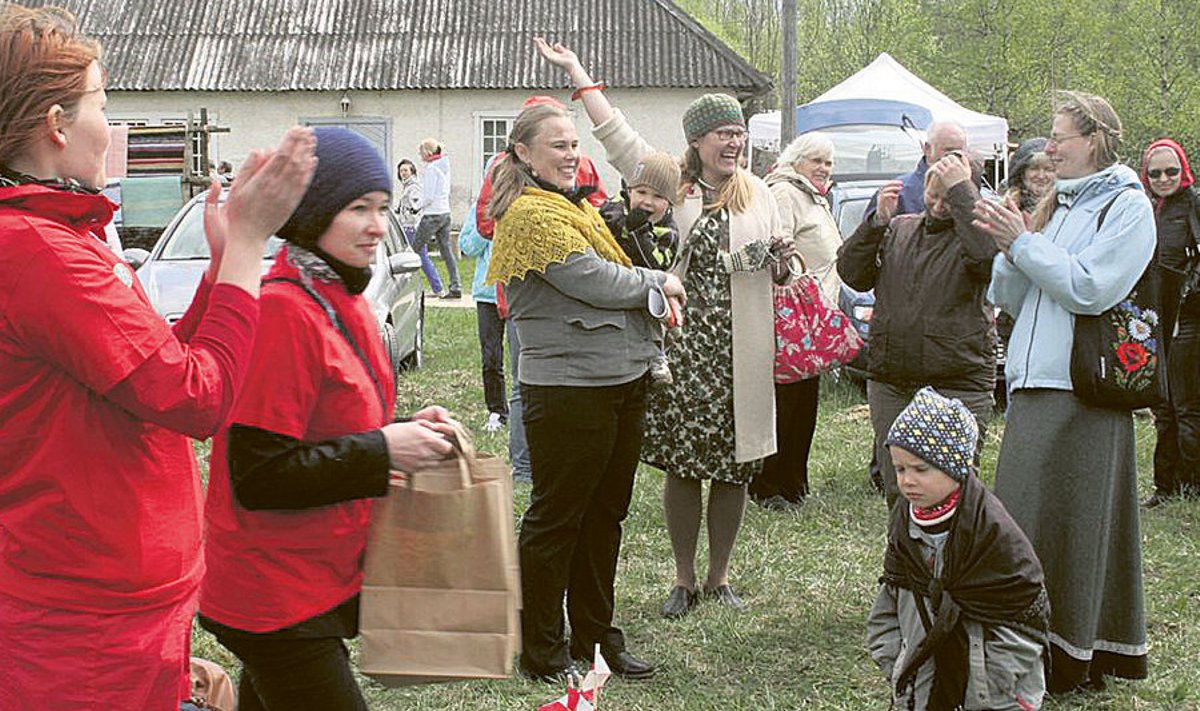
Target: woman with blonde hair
(434, 207)
(732, 243)
(1067, 470)
(1030, 174)
(100, 499)
(586, 324)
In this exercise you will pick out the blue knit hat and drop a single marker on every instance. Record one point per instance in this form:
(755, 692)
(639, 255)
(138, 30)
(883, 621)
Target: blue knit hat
(348, 167)
(940, 430)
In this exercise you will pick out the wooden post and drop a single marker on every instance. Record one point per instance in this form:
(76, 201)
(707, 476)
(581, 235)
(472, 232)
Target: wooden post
(787, 79)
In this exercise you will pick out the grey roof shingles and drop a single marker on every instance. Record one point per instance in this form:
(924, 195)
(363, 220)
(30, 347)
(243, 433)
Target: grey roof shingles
(292, 45)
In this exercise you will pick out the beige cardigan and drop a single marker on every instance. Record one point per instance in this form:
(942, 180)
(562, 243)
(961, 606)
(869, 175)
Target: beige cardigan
(750, 292)
(805, 215)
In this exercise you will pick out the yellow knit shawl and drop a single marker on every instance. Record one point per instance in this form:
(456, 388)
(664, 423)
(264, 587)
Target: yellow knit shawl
(543, 228)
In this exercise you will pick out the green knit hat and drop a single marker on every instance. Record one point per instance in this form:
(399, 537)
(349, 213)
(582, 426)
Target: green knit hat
(711, 111)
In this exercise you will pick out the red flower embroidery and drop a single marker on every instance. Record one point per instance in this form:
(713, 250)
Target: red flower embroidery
(1133, 356)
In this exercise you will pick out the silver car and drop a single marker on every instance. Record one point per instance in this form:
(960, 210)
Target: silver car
(171, 271)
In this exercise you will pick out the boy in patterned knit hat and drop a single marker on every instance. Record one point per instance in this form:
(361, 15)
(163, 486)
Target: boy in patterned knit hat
(961, 617)
(641, 222)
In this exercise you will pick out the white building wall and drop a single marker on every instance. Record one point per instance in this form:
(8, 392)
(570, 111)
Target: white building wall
(258, 119)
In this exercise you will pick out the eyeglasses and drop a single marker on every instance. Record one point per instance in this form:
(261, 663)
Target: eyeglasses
(729, 134)
(1157, 173)
(1059, 140)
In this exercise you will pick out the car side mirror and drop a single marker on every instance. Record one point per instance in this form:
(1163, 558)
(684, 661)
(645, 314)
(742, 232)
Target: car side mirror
(135, 256)
(404, 263)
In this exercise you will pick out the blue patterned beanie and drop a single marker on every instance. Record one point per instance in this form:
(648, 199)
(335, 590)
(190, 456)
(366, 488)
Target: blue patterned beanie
(938, 429)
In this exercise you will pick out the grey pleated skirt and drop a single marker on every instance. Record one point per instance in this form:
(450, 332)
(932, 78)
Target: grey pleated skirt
(1067, 473)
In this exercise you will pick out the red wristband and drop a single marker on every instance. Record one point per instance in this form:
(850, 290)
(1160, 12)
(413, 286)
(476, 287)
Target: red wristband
(599, 86)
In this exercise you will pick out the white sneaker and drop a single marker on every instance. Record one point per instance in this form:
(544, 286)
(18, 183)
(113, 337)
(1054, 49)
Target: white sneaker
(494, 423)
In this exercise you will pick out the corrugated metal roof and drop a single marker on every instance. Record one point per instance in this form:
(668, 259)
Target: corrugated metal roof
(285, 45)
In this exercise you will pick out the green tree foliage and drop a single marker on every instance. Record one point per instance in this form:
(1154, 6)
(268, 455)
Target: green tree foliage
(1005, 57)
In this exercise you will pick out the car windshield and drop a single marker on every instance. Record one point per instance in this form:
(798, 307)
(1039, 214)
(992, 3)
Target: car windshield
(187, 240)
(873, 150)
(850, 214)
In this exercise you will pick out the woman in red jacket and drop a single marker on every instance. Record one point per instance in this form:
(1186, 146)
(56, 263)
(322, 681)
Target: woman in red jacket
(312, 442)
(99, 494)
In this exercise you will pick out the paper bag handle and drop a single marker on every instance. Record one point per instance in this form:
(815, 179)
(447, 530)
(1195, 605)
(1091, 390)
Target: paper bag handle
(464, 450)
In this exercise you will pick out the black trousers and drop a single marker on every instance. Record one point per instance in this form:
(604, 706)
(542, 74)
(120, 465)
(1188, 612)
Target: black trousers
(583, 446)
(1177, 421)
(281, 672)
(491, 350)
(785, 473)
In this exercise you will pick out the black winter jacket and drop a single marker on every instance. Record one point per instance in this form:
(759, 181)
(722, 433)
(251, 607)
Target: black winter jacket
(647, 244)
(932, 324)
(1176, 220)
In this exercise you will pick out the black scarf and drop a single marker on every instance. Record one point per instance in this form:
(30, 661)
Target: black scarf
(10, 178)
(320, 264)
(934, 225)
(991, 575)
(1029, 201)
(574, 195)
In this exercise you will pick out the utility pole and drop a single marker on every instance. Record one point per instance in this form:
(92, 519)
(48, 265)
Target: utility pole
(787, 76)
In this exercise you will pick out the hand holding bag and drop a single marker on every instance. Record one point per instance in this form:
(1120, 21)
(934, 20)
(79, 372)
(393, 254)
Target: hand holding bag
(441, 584)
(812, 336)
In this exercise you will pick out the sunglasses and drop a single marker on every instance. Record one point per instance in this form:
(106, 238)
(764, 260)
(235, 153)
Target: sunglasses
(1156, 173)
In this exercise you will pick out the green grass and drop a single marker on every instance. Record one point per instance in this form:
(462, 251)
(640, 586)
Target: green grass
(809, 577)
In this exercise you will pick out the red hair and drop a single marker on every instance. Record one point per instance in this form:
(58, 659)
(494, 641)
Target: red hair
(43, 62)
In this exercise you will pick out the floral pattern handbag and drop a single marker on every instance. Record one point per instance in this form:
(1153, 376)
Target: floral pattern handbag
(1116, 359)
(812, 336)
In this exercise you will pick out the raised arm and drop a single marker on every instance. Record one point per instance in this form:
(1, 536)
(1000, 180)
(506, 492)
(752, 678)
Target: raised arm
(856, 261)
(623, 146)
(593, 98)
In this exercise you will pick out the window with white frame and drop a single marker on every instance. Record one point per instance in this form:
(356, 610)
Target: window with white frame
(493, 130)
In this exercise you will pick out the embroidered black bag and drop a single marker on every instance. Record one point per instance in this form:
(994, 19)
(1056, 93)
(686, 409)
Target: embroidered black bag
(1116, 357)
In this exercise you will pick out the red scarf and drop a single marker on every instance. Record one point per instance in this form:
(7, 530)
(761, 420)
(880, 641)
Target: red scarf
(938, 512)
(1185, 177)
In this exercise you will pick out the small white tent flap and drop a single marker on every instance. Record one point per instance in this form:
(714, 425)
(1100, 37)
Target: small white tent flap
(885, 78)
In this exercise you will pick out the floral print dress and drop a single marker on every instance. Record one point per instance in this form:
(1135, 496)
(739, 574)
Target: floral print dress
(689, 424)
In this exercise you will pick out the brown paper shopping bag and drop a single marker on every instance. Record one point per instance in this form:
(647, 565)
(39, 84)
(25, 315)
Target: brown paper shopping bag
(440, 590)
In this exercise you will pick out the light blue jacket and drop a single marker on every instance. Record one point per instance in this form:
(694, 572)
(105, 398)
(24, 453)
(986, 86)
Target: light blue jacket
(473, 244)
(1071, 268)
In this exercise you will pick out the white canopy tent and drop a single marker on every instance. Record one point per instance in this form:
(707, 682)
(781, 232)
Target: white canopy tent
(885, 78)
